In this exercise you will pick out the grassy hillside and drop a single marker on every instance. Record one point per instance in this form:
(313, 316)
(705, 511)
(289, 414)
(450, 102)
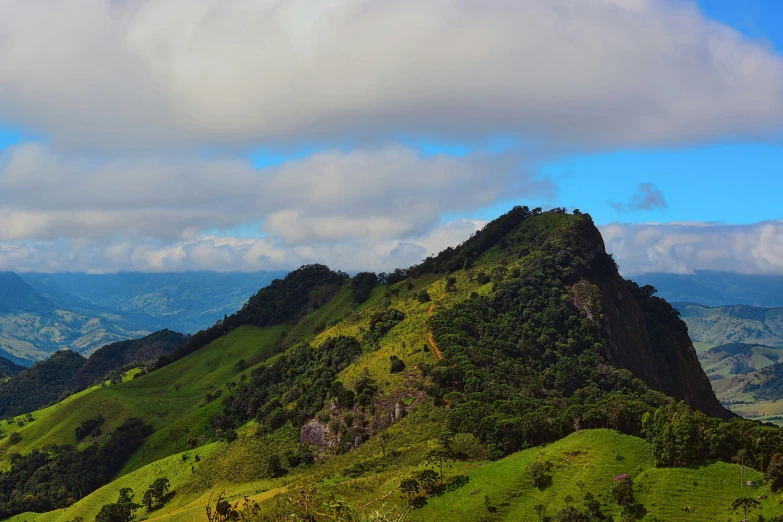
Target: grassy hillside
(171, 399)
(593, 457)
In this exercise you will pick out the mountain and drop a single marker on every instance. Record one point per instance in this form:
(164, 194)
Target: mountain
(717, 288)
(29, 336)
(9, 368)
(17, 296)
(738, 346)
(513, 374)
(182, 301)
(733, 324)
(43, 313)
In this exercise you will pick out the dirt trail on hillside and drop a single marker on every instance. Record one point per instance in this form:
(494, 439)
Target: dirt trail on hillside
(430, 338)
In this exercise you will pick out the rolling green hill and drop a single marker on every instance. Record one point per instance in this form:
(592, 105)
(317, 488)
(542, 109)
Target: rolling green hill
(516, 370)
(65, 371)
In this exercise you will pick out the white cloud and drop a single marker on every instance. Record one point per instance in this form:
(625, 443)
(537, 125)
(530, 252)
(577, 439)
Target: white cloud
(228, 253)
(151, 75)
(377, 194)
(688, 247)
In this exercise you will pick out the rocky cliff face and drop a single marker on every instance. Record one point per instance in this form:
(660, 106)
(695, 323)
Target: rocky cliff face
(644, 334)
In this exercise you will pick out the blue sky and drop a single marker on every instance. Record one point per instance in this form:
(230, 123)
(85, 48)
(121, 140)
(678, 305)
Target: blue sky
(154, 151)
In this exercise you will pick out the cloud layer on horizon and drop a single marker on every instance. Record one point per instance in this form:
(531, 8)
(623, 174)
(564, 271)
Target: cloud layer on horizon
(227, 253)
(684, 248)
(378, 194)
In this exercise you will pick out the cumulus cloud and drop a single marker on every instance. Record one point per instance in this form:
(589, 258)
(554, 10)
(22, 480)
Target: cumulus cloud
(687, 247)
(147, 75)
(648, 197)
(223, 253)
(383, 193)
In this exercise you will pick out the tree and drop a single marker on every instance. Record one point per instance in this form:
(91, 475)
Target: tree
(739, 458)
(451, 284)
(397, 364)
(745, 504)
(274, 466)
(539, 472)
(222, 511)
(593, 505)
(581, 485)
(428, 480)
(15, 438)
(124, 510)
(148, 499)
(570, 514)
(622, 490)
(410, 487)
(158, 489)
(383, 438)
(177, 387)
(443, 453)
(774, 473)
(540, 510)
(423, 296)
(362, 286)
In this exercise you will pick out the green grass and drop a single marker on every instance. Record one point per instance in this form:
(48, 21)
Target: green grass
(590, 456)
(175, 415)
(174, 468)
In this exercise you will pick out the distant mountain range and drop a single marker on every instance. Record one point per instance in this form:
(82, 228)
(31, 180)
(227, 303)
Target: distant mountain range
(740, 348)
(733, 324)
(43, 313)
(717, 288)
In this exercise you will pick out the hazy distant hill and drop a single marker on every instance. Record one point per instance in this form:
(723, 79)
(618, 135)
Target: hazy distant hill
(182, 301)
(17, 296)
(44, 313)
(733, 324)
(717, 288)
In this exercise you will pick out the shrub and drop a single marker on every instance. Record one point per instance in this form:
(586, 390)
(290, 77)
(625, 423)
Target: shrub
(622, 490)
(397, 365)
(89, 427)
(540, 473)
